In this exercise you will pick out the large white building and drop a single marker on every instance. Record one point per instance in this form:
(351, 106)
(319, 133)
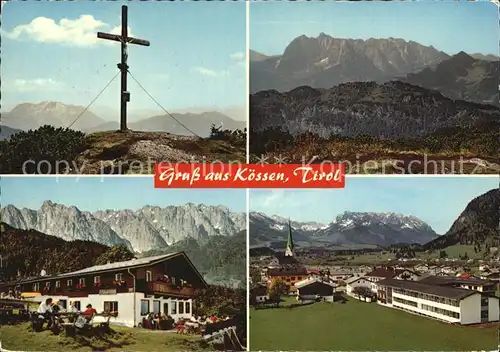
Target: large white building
(383, 273)
(132, 289)
(449, 299)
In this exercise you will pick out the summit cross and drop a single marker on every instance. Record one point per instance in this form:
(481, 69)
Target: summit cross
(124, 39)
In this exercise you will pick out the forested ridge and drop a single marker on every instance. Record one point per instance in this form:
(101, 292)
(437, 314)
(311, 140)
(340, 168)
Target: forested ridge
(220, 259)
(26, 252)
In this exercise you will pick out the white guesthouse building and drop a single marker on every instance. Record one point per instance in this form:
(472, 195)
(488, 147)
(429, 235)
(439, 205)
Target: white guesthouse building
(132, 289)
(448, 299)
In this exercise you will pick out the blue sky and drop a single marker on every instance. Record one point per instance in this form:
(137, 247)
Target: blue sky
(449, 26)
(99, 193)
(196, 58)
(435, 200)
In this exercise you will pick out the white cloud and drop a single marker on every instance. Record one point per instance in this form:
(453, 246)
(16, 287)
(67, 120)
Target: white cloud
(267, 200)
(240, 55)
(80, 32)
(30, 85)
(209, 72)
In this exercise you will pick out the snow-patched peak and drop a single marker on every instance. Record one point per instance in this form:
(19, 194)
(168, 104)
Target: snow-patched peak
(278, 222)
(348, 228)
(349, 219)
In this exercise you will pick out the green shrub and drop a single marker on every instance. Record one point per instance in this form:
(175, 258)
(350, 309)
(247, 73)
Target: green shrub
(235, 137)
(40, 151)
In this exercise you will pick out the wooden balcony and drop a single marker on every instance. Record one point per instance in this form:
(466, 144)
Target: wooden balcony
(84, 291)
(166, 289)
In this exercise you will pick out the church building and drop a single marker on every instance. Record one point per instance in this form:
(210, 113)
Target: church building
(289, 269)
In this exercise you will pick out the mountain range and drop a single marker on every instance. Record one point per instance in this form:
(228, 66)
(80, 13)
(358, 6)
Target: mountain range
(325, 61)
(145, 229)
(389, 110)
(349, 229)
(28, 116)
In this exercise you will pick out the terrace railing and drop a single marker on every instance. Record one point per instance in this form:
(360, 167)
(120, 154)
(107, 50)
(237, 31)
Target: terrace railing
(164, 288)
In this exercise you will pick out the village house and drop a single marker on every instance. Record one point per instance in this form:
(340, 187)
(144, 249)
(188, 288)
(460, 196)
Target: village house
(354, 282)
(259, 294)
(365, 269)
(340, 275)
(449, 300)
(493, 276)
(484, 267)
(389, 273)
(132, 289)
(333, 275)
(289, 275)
(421, 268)
(311, 289)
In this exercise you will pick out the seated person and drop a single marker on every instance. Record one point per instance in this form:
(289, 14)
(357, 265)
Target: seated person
(45, 312)
(89, 312)
(56, 307)
(151, 320)
(73, 308)
(84, 319)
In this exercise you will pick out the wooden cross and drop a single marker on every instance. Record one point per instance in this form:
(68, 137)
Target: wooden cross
(123, 39)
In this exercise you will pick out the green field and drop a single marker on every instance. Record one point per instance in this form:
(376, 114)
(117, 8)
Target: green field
(20, 338)
(360, 326)
(454, 251)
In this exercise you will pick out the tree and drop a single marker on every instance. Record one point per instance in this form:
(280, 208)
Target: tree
(405, 276)
(276, 290)
(115, 254)
(362, 291)
(443, 254)
(255, 275)
(235, 137)
(220, 301)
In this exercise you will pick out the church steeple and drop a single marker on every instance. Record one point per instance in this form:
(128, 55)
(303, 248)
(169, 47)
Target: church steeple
(289, 251)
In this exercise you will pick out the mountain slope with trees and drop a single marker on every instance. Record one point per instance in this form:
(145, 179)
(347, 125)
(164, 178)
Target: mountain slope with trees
(477, 225)
(220, 259)
(27, 252)
(462, 77)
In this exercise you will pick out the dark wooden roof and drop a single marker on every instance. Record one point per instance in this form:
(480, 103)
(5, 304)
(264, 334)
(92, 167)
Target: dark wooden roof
(493, 275)
(384, 272)
(453, 280)
(417, 286)
(258, 290)
(179, 262)
(287, 271)
(286, 260)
